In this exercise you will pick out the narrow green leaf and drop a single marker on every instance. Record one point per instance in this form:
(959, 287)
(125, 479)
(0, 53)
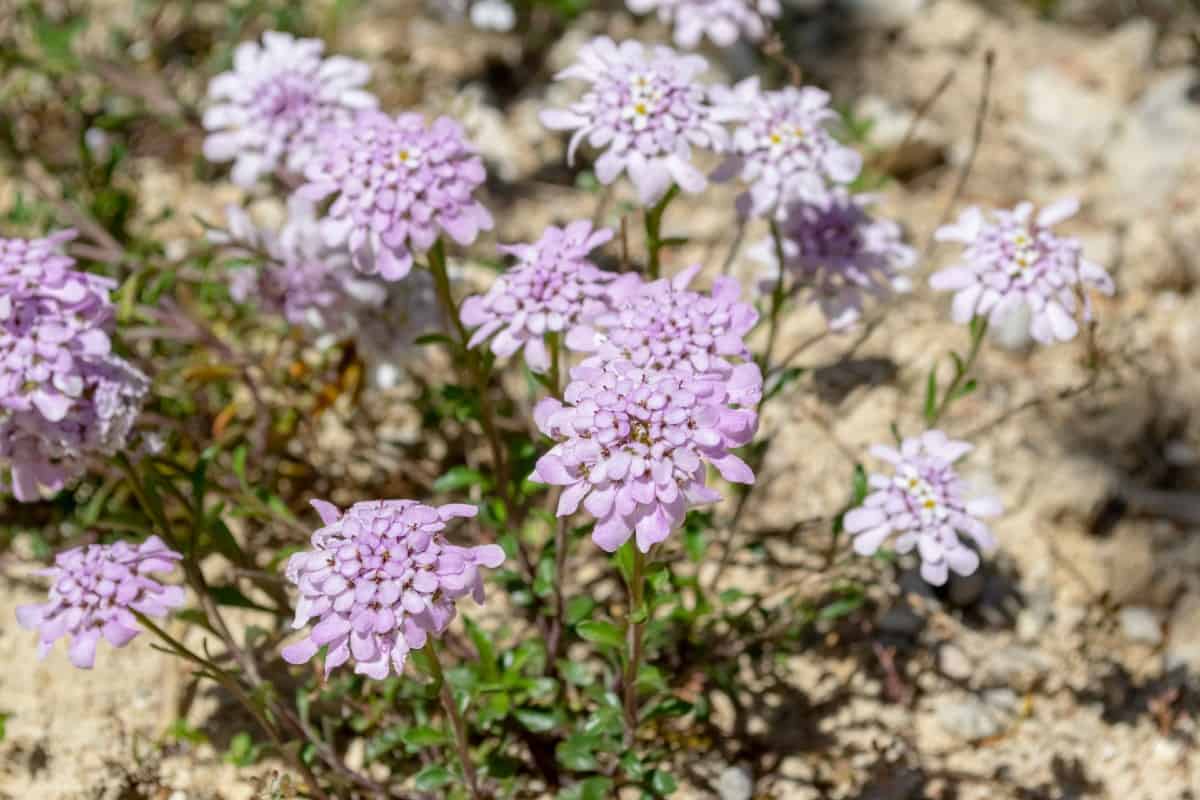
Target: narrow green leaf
(931, 395)
(604, 634)
(460, 478)
(536, 720)
(435, 776)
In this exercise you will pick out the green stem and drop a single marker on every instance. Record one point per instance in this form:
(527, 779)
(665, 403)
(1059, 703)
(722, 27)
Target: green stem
(979, 328)
(554, 345)
(635, 628)
(778, 297)
(474, 365)
(456, 721)
(654, 242)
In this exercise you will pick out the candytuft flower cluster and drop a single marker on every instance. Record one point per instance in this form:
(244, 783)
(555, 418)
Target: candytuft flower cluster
(381, 578)
(397, 184)
(922, 505)
(1013, 260)
(835, 247)
(552, 289)
(267, 114)
(784, 151)
(64, 395)
(646, 110)
(94, 591)
(722, 21)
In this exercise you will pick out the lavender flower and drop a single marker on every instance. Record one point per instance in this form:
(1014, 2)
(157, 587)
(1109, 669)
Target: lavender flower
(1014, 263)
(922, 503)
(552, 288)
(784, 151)
(380, 580)
(647, 111)
(63, 394)
(267, 113)
(94, 591)
(834, 246)
(399, 185)
(303, 280)
(723, 21)
(632, 448)
(663, 327)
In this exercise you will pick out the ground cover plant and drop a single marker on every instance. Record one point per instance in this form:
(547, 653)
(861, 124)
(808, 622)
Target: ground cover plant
(526, 598)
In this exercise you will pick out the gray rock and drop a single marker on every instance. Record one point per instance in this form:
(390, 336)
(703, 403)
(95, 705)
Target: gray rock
(1160, 135)
(882, 13)
(1069, 123)
(1018, 668)
(1140, 624)
(1183, 646)
(889, 126)
(901, 620)
(967, 718)
(735, 783)
(954, 663)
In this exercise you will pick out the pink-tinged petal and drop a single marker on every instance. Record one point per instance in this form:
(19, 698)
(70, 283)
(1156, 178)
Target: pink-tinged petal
(860, 519)
(537, 356)
(600, 502)
(489, 555)
(952, 279)
(568, 501)
(985, 507)
(934, 574)
(962, 560)
(733, 469)
(453, 510)
(327, 511)
(964, 304)
(610, 534)
(561, 120)
(329, 629)
(118, 635)
(30, 617)
(1057, 212)
(1061, 323)
(867, 542)
(551, 470)
(652, 529)
(82, 651)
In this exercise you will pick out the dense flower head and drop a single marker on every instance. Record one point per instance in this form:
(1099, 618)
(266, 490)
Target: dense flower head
(64, 394)
(923, 505)
(553, 288)
(1013, 263)
(632, 447)
(302, 279)
(380, 579)
(834, 246)
(645, 108)
(784, 151)
(722, 21)
(663, 327)
(400, 183)
(268, 112)
(94, 591)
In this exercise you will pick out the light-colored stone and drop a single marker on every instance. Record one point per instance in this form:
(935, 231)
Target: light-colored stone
(967, 718)
(1159, 136)
(1068, 123)
(890, 124)
(1183, 645)
(954, 662)
(735, 783)
(1140, 624)
(1018, 668)
(947, 24)
(882, 13)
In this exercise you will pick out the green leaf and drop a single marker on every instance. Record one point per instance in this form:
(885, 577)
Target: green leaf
(779, 381)
(604, 634)
(536, 720)
(596, 788)
(661, 783)
(632, 766)
(624, 558)
(931, 399)
(434, 338)
(577, 752)
(433, 777)
(460, 478)
(579, 608)
(576, 673)
(424, 736)
(841, 608)
(968, 387)
(485, 649)
(233, 597)
(861, 485)
(242, 751)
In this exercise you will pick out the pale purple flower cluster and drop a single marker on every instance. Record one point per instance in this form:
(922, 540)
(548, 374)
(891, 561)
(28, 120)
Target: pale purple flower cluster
(400, 183)
(923, 505)
(645, 108)
(833, 246)
(94, 591)
(1013, 262)
(64, 395)
(302, 279)
(722, 21)
(662, 327)
(380, 579)
(633, 447)
(267, 114)
(553, 288)
(784, 151)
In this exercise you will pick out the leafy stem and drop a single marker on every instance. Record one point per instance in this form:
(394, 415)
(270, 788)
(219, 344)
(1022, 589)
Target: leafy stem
(635, 629)
(962, 384)
(654, 240)
(456, 720)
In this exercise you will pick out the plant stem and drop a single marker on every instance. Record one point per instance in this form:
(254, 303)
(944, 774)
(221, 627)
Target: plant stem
(456, 721)
(778, 296)
(979, 328)
(654, 241)
(634, 630)
(474, 365)
(554, 345)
